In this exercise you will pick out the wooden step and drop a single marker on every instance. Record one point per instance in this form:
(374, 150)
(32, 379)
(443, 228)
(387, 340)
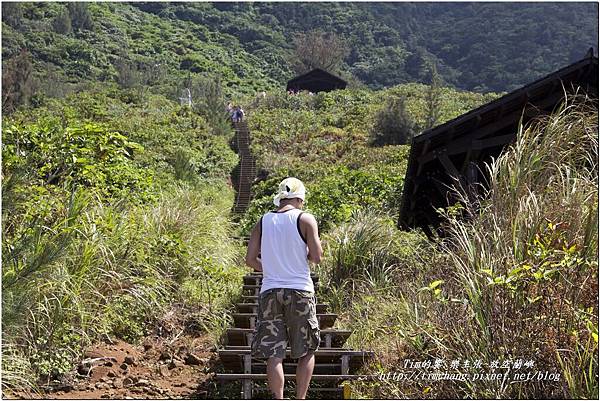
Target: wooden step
(248, 320)
(315, 392)
(260, 366)
(263, 376)
(253, 308)
(351, 360)
(330, 338)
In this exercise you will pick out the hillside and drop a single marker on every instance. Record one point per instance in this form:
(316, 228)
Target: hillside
(250, 44)
(118, 239)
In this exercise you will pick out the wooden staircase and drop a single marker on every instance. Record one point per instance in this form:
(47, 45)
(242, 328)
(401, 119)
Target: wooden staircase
(247, 171)
(333, 364)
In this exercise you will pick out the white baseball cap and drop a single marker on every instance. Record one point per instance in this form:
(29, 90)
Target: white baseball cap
(289, 188)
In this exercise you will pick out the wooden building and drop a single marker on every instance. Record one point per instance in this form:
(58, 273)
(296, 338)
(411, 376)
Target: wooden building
(455, 152)
(316, 80)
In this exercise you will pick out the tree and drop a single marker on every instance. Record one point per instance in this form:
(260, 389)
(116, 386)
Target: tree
(393, 125)
(62, 23)
(433, 97)
(128, 75)
(12, 13)
(208, 100)
(317, 49)
(80, 16)
(17, 81)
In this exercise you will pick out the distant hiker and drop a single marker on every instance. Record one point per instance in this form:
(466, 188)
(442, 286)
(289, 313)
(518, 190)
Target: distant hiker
(280, 246)
(229, 109)
(235, 114)
(240, 114)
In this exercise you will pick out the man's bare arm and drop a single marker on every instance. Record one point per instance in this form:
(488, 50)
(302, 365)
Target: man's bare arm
(308, 225)
(253, 252)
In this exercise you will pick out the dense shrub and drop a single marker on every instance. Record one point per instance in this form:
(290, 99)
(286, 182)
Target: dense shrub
(393, 125)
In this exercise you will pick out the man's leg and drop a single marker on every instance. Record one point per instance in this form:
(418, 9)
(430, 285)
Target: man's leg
(304, 372)
(275, 376)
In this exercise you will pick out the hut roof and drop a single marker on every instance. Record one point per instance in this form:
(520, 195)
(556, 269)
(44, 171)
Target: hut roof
(316, 80)
(455, 152)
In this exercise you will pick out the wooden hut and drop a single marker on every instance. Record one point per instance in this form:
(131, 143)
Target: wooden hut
(454, 153)
(316, 80)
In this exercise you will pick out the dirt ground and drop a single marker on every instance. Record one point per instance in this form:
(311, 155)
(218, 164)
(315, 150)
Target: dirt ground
(172, 363)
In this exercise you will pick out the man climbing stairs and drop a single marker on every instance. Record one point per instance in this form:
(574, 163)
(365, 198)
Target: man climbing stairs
(333, 364)
(247, 171)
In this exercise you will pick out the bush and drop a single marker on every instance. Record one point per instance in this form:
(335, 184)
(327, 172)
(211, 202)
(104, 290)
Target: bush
(532, 248)
(368, 248)
(82, 154)
(393, 125)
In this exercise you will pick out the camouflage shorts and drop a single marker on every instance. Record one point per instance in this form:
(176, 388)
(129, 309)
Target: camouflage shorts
(286, 314)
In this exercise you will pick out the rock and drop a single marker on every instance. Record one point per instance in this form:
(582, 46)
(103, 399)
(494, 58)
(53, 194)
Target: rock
(128, 381)
(164, 371)
(92, 354)
(175, 364)
(102, 386)
(142, 383)
(83, 369)
(147, 346)
(192, 359)
(111, 374)
(118, 383)
(124, 366)
(105, 396)
(165, 356)
(130, 360)
(66, 387)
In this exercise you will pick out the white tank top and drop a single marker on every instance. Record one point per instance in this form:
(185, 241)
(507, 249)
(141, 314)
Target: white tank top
(284, 254)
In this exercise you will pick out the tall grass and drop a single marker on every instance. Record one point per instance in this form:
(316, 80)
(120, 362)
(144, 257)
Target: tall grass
(111, 270)
(527, 264)
(516, 280)
(368, 249)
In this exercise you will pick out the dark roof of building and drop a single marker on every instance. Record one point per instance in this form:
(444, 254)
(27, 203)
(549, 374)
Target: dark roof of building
(440, 157)
(316, 80)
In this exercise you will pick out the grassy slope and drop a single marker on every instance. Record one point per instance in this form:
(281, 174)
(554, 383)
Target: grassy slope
(321, 139)
(77, 269)
(324, 141)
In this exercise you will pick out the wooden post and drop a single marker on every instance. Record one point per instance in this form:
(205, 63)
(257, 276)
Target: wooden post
(247, 383)
(249, 338)
(345, 364)
(328, 340)
(247, 389)
(252, 322)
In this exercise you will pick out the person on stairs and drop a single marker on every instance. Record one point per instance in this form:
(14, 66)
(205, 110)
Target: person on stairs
(281, 244)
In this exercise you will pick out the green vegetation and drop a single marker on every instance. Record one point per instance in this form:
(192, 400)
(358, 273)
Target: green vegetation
(116, 197)
(252, 45)
(83, 177)
(514, 283)
(325, 140)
